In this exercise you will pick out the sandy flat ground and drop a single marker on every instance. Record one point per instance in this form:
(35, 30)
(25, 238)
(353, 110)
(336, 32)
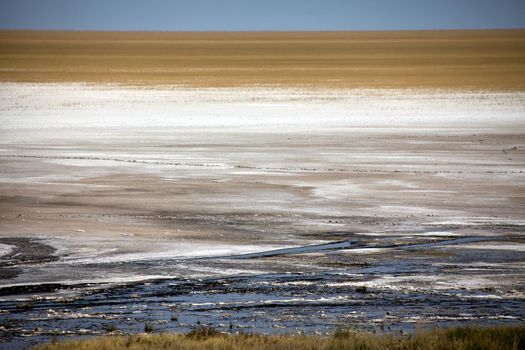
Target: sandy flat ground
(431, 59)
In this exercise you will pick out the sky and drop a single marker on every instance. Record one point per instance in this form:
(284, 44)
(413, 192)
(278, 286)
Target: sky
(257, 15)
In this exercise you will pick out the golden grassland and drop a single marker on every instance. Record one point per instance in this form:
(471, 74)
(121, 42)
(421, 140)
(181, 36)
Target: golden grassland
(471, 338)
(476, 59)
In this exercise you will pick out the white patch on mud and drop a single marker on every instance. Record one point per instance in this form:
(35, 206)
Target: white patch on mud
(516, 247)
(5, 249)
(412, 234)
(481, 221)
(337, 190)
(427, 282)
(363, 250)
(112, 279)
(96, 250)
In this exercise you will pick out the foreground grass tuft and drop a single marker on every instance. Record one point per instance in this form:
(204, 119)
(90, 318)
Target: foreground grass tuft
(468, 338)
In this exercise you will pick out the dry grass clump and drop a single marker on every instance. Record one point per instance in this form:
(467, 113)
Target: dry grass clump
(469, 338)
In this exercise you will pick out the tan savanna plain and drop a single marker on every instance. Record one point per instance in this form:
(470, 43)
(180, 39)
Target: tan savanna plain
(475, 59)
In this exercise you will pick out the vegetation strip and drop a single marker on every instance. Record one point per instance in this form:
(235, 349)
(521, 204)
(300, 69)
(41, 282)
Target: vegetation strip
(465, 338)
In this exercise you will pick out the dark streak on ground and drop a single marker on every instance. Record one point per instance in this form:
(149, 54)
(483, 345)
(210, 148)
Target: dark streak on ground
(26, 251)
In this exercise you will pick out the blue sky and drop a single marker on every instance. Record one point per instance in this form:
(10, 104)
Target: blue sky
(210, 15)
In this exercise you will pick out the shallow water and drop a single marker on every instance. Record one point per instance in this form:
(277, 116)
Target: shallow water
(382, 290)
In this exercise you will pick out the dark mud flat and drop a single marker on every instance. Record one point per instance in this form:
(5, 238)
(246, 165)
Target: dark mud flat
(25, 251)
(313, 289)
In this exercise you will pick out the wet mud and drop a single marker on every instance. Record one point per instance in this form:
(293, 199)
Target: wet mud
(380, 285)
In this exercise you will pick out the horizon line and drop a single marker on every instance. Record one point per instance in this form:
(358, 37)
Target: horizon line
(257, 31)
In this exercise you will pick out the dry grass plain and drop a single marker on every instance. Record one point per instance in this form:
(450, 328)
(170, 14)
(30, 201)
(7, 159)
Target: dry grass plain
(508, 338)
(490, 59)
